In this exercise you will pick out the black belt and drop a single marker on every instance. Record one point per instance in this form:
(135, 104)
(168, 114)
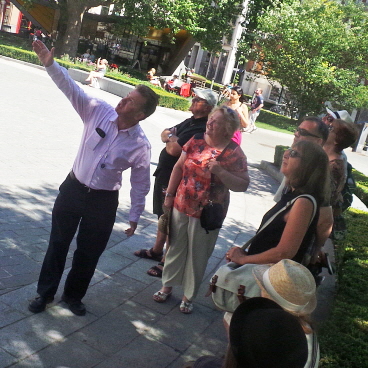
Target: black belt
(88, 189)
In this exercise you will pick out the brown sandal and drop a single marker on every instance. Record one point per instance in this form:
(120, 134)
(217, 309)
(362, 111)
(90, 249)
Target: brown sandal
(156, 271)
(149, 254)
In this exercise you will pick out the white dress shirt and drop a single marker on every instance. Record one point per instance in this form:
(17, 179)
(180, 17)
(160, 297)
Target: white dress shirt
(101, 161)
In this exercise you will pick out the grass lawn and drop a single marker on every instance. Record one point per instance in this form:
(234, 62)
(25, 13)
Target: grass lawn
(272, 127)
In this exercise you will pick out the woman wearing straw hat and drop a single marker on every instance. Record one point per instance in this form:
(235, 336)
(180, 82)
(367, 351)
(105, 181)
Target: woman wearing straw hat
(293, 288)
(262, 335)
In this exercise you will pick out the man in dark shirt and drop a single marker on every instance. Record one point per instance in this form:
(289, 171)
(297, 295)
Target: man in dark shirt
(175, 138)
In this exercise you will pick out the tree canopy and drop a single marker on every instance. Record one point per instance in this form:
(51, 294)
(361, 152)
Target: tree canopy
(317, 50)
(207, 21)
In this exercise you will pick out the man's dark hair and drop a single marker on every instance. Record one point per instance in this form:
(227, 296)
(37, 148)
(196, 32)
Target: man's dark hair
(151, 99)
(321, 127)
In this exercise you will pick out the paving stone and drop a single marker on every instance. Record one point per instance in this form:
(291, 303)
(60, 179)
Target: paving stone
(110, 293)
(6, 359)
(141, 352)
(68, 352)
(129, 320)
(28, 336)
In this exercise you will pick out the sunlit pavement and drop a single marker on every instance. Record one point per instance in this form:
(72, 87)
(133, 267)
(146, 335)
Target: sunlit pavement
(123, 327)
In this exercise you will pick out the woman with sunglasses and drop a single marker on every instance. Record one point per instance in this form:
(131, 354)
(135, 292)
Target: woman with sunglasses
(188, 192)
(290, 233)
(236, 102)
(342, 135)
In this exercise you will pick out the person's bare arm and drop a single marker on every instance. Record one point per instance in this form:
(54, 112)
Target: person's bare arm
(172, 146)
(297, 224)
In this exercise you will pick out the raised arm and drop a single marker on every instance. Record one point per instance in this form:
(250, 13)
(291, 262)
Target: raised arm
(44, 54)
(297, 223)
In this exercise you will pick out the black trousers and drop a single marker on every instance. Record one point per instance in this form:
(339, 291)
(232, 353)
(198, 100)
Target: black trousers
(161, 183)
(94, 211)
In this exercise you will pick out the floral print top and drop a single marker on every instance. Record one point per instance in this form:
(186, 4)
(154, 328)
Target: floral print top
(194, 188)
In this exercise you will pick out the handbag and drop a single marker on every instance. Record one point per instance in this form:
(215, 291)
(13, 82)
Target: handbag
(212, 216)
(232, 283)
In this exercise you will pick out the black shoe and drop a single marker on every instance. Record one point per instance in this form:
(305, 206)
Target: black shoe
(75, 305)
(38, 304)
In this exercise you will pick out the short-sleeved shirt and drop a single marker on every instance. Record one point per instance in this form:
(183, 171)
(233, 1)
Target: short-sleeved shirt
(194, 188)
(184, 131)
(257, 100)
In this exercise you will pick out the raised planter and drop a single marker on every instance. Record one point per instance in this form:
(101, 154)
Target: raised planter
(106, 84)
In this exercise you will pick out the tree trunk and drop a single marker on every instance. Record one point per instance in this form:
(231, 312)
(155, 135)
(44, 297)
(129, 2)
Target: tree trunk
(76, 10)
(180, 55)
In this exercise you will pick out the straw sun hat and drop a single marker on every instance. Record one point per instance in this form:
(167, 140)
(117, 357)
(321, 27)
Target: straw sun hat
(289, 284)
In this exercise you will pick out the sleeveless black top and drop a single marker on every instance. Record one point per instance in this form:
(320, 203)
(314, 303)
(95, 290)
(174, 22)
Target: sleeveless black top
(270, 236)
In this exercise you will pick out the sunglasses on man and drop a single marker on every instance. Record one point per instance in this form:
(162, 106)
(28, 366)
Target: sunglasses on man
(305, 133)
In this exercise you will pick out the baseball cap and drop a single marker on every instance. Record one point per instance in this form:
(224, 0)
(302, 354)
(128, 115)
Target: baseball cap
(207, 94)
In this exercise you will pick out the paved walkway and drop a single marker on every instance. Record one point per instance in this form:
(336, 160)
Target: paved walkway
(124, 327)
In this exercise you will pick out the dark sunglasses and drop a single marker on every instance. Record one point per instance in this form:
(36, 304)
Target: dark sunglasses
(292, 153)
(305, 133)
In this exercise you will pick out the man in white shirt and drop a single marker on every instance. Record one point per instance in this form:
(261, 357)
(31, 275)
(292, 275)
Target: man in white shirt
(112, 141)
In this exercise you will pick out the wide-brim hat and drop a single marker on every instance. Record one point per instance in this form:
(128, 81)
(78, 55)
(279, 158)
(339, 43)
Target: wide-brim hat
(207, 94)
(289, 284)
(343, 115)
(262, 334)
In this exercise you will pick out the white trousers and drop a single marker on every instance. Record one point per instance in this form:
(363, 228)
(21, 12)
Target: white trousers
(253, 117)
(187, 257)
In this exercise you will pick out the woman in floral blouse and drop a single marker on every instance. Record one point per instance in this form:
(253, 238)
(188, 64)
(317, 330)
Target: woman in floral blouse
(188, 192)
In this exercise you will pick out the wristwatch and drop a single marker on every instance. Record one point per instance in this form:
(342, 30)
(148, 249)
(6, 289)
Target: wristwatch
(168, 137)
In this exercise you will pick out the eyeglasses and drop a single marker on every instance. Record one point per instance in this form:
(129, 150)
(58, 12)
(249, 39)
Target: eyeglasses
(293, 153)
(305, 133)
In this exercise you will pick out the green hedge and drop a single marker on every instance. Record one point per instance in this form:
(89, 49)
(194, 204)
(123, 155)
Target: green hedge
(362, 186)
(277, 120)
(344, 336)
(167, 99)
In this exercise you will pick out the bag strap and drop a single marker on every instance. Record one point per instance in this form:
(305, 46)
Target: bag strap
(288, 204)
(232, 145)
